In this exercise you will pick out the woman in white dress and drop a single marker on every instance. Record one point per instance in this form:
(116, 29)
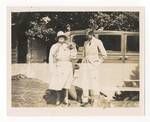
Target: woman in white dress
(61, 70)
(89, 76)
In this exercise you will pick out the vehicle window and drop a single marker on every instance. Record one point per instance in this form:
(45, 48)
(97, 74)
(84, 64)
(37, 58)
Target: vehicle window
(112, 43)
(79, 40)
(132, 44)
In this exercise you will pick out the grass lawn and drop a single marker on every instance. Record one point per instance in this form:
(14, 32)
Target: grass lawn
(28, 92)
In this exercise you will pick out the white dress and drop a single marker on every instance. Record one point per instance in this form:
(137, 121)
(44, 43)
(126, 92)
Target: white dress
(61, 70)
(88, 73)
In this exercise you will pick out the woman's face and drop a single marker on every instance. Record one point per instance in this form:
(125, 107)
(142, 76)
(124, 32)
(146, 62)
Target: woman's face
(61, 39)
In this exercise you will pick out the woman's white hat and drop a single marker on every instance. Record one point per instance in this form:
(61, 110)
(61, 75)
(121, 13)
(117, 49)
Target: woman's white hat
(61, 34)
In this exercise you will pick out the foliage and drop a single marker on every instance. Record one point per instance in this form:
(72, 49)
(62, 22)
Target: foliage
(44, 24)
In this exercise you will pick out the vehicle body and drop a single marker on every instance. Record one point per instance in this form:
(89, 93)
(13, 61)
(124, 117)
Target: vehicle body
(120, 69)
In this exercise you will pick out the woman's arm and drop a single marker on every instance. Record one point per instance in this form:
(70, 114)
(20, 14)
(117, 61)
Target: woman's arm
(51, 57)
(73, 51)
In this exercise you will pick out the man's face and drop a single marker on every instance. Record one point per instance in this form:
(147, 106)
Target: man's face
(61, 39)
(90, 36)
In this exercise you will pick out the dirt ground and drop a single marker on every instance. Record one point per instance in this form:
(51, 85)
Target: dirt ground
(28, 92)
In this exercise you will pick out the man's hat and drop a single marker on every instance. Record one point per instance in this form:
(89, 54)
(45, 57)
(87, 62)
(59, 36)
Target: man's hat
(61, 34)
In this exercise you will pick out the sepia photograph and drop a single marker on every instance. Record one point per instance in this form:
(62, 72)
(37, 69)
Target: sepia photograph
(76, 59)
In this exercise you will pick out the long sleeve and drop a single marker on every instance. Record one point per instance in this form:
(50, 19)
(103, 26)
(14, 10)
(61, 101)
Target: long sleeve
(101, 48)
(51, 56)
(84, 53)
(73, 52)
(51, 61)
(53, 53)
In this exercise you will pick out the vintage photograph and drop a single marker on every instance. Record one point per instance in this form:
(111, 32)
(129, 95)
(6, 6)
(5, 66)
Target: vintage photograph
(75, 59)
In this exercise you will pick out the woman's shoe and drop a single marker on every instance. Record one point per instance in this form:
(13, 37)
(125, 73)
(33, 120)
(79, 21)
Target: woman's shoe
(57, 103)
(66, 102)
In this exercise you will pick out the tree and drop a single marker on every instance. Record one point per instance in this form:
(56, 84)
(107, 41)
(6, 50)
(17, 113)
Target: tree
(43, 25)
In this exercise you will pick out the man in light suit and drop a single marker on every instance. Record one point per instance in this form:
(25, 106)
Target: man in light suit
(89, 77)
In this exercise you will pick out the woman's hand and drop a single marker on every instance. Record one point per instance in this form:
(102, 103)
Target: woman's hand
(71, 45)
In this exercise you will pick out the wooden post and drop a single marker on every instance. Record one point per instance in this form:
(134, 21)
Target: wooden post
(29, 52)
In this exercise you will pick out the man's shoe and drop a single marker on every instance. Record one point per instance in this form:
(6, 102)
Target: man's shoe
(85, 104)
